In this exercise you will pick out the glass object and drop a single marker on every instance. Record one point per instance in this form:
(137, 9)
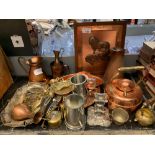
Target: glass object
(151, 38)
(98, 116)
(60, 37)
(134, 43)
(91, 83)
(101, 97)
(79, 81)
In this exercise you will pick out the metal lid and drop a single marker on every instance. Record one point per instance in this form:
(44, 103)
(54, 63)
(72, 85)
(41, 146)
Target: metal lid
(124, 85)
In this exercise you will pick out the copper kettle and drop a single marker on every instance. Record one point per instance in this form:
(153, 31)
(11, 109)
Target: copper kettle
(36, 73)
(124, 93)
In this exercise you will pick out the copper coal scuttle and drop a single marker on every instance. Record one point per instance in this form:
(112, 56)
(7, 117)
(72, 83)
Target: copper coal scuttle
(124, 93)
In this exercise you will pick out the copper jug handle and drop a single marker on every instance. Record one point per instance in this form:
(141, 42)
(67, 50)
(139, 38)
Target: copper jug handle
(22, 61)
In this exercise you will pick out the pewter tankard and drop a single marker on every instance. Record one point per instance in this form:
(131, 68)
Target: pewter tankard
(74, 112)
(79, 83)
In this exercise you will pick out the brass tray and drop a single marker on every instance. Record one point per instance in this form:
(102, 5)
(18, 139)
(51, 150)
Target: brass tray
(65, 90)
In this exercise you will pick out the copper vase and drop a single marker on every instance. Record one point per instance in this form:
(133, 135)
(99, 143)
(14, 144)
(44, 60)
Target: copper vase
(57, 66)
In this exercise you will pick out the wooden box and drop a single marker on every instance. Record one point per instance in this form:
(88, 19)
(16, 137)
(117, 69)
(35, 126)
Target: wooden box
(5, 76)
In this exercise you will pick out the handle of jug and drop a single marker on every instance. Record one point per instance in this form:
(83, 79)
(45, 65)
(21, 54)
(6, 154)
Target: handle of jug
(23, 62)
(61, 52)
(66, 69)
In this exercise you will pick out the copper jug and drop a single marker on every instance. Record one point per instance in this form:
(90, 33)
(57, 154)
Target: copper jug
(36, 73)
(116, 61)
(57, 66)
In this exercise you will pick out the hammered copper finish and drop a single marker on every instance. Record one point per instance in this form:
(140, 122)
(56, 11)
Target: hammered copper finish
(123, 93)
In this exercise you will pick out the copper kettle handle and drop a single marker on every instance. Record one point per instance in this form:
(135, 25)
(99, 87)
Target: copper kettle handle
(124, 69)
(20, 61)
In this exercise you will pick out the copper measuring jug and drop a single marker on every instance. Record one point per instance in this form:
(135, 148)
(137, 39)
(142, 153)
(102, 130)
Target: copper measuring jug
(35, 72)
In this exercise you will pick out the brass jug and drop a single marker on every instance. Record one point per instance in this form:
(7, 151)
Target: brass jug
(36, 73)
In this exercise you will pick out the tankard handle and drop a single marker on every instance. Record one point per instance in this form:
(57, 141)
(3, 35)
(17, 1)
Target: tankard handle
(22, 61)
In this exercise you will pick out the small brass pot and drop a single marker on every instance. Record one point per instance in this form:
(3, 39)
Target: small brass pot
(120, 116)
(145, 117)
(54, 119)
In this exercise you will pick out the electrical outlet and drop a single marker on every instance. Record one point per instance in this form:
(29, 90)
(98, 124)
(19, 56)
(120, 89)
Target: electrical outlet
(17, 41)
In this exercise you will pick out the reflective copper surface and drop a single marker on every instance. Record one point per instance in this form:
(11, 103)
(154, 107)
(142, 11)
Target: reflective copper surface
(123, 93)
(35, 72)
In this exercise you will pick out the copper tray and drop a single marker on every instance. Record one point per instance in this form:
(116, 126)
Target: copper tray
(99, 81)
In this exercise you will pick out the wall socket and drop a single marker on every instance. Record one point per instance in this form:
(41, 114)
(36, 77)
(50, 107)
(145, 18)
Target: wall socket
(17, 41)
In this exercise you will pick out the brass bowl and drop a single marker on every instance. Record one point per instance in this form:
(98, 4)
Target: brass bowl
(120, 116)
(145, 117)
